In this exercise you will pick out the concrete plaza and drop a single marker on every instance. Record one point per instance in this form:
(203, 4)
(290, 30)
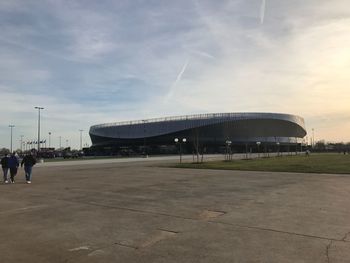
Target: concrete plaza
(139, 212)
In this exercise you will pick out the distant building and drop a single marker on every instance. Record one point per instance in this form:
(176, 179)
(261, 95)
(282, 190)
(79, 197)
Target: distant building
(203, 132)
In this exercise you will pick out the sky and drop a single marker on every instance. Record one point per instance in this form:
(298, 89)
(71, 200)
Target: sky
(91, 62)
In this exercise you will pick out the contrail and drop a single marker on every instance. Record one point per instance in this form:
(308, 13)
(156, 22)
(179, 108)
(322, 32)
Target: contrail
(178, 78)
(202, 53)
(262, 11)
(181, 73)
(37, 50)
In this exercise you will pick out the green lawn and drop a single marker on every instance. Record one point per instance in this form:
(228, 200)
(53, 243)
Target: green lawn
(315, 163)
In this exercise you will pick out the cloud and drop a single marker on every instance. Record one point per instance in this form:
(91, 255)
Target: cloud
(61, 117)
(262, 11)
(89, 62)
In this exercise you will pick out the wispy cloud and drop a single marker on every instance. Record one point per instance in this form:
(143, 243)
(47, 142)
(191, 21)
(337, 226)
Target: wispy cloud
(92, 62)
(262, 11)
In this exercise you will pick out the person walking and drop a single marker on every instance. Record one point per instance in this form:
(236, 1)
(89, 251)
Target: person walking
(5, 167)
(13, 164)
(29, 161)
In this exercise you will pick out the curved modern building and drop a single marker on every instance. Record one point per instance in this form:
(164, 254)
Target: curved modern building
(211, 131)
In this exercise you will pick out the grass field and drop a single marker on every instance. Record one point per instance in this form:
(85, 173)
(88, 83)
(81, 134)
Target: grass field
(315, 163)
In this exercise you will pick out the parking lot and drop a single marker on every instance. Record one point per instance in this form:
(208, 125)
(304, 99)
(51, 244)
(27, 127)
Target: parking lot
(141, 212)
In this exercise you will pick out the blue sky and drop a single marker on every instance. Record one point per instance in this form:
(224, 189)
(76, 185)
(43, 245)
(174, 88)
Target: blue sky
(90, 62)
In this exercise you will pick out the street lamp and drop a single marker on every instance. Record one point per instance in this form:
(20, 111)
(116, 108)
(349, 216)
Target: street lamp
(278, 148)
(228, 150)
(301, 145)
(60, 137)
(81, 131)
(39, 108)
(49, 139)
(176, 140)
(258, 144)
(144, 138)
(22, 142)
(11, 126)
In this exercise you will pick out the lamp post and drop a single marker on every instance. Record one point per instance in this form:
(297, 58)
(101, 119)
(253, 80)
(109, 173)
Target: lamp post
(144, 138)
(301, 146)
(22, 143)
(176, 140)
(81, 132)
(11, 127)
(278, 148)
(39, 108)
(258, 144)
(228, 150)
(60, 140)
(49, 139)
(67, 143)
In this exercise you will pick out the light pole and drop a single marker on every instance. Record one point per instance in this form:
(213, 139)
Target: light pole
(67, 143)
(258, 144)
(144, 138)
(313, 138)
(39, 108)
(278, 148)
(22, 143)
(60, 137)
(11, 127)
(301, 145)
(228, 150)
(176, 140)
(81, 131)
(49, 139)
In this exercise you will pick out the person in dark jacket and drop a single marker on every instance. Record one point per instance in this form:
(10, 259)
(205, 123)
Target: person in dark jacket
(29, 161)
(13, 164)
(5, 167)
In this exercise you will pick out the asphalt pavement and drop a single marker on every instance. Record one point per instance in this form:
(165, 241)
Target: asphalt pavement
(136, 211)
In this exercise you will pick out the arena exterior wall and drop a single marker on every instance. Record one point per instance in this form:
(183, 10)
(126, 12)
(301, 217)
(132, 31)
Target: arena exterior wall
(211, 131)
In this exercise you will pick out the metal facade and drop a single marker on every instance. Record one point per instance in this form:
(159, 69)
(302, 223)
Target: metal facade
(208, 128)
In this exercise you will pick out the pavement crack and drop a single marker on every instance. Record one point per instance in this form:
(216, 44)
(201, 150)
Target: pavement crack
(170, 231)
(156, 237)
(327, 251)
(23, 209)
(128, 209)
(209, 221)
(125, 245)
(210, 214)
(345, 237)
(276, 231)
